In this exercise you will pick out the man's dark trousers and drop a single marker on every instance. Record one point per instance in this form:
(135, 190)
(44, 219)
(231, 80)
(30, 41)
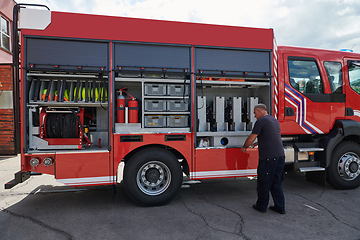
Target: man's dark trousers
(270, 176)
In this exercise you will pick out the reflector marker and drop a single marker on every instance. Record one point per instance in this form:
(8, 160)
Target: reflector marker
(275, 82)
(357, 113)
(88, 181)
(229, 173)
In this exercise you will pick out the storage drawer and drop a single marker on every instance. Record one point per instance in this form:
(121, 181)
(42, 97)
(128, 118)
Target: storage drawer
(177, 105)
(177, 90)
(177, 121)
(155, 89)
(155, 105)
(155, 121)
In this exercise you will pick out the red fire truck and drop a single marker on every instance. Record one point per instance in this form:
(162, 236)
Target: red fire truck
(172, 98)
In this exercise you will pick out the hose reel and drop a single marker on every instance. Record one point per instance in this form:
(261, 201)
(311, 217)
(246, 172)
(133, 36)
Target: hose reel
(63, 126)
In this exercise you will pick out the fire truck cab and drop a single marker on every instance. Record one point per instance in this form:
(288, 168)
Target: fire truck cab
(320, 97)
(171, 98)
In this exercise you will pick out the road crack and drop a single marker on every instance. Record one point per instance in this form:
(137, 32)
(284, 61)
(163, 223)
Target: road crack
(238, 226)
(40, 223)
(205, 221)
(329, 211)
(197, 214)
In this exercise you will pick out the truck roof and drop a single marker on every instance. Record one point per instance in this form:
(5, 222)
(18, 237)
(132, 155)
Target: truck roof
(323, 53)
(87, 26)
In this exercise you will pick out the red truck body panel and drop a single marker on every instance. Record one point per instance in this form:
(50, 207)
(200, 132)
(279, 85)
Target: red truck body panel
(101, 166)
(98, 167)
(86, 26)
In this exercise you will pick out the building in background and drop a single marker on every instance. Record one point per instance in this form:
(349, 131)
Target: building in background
(7, 145)
(6, 14)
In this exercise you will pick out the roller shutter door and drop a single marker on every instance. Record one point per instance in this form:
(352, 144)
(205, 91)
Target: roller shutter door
(150, 55)
(232, 60)
(66, 52)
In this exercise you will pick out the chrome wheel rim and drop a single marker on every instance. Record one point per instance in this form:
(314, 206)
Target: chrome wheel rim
(349, 166)
(153, 178)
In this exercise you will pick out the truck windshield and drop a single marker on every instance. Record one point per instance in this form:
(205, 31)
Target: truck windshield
(354, 77)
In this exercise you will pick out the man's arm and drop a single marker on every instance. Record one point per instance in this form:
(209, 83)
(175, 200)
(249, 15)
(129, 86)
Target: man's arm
(248, 142)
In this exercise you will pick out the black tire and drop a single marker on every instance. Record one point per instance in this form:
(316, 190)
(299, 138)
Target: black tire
(344, 169)
(152, 177)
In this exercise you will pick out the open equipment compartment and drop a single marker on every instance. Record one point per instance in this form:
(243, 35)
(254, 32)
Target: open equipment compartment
(66, 92)
(158, 78)
(60, 117)
(164, 110)
(229, 83)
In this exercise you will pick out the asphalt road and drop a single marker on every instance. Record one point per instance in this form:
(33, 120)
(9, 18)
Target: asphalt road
(214, 209)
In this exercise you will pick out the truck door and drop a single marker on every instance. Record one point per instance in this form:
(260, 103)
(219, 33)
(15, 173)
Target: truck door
(307, 105)
(353, 89)
(334, 74)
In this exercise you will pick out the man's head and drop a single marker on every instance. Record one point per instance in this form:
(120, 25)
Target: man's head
(260, 110)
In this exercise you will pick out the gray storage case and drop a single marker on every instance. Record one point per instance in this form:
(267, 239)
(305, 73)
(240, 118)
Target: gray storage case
(155, 105)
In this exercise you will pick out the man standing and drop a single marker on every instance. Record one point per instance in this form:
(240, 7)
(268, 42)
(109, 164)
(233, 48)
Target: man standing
(271, 160)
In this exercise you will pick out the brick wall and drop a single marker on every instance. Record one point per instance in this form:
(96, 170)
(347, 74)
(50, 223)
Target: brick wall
(7, 145)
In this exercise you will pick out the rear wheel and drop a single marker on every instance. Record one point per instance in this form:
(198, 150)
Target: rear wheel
(152, 177)
(344, 169)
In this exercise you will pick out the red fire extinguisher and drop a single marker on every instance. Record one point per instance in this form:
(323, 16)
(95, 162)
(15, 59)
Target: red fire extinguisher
(120, 108)
(133, 110)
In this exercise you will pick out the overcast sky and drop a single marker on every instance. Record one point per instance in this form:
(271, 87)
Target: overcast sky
(328, 24)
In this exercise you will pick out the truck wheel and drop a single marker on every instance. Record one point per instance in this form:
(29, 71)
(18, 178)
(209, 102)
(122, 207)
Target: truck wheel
(344, 169)
(152, 177)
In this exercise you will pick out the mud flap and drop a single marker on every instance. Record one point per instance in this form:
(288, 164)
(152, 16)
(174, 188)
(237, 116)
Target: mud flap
(317, 177)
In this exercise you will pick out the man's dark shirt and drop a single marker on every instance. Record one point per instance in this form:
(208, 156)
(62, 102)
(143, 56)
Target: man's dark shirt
(269, 137)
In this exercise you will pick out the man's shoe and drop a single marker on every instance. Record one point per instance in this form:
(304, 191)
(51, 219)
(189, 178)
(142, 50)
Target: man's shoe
(274, 208)
(258, 209)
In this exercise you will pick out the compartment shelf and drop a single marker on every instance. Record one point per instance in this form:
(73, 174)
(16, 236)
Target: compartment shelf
(223, 134)
(166, 113)
(152, 80)
(44, 75)
(67, 104)
(151, 130)
(244, 83)
(221, 139)
(165, 97)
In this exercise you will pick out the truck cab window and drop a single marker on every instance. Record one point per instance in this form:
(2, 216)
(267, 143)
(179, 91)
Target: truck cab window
(354, 76)
(305, 76)
(334, 74)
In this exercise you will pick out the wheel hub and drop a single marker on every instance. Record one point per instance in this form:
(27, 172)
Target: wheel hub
(349, 166)
(153, 178)
(353, 167)
(152, 175)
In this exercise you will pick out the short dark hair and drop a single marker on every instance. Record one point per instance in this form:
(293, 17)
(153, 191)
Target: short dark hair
(261, 106)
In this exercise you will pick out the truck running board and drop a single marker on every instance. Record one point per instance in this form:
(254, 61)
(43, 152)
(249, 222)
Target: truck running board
(311, 169)
(304, 149)
(309, 165)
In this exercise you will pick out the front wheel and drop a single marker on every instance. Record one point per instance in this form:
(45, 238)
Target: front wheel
(344, 169)
(152, 177)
